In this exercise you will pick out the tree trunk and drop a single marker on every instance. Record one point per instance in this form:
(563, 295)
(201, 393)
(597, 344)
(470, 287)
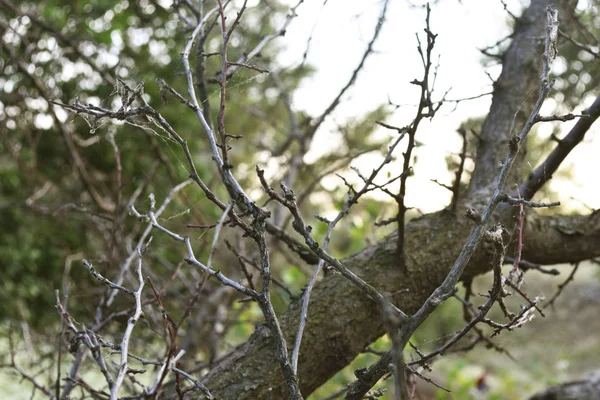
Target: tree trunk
(342, 321)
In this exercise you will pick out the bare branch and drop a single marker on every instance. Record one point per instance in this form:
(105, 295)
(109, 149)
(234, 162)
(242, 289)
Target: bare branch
(336, 101)
(544, 172)
(588, 49)
(479, 232)
(123, 367)
(562, 286)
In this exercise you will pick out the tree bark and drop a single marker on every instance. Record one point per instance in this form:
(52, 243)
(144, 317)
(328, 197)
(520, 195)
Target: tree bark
(583, 389)
(343, 321)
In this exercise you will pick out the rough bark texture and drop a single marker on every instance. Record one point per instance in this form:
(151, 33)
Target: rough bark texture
(514, 93)
(342, 321)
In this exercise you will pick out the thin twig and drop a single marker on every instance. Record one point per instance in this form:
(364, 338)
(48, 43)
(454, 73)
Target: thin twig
(562, 286)
(114, 393)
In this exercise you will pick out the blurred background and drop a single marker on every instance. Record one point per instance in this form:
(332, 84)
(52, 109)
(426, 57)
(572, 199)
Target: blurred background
(66, 180)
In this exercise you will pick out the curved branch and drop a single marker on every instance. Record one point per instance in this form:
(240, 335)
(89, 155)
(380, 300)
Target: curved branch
(343, 322)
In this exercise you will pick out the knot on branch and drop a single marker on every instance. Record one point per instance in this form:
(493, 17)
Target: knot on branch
(360, 373)
(513, 143)
(288, 193)
(473, 215)
(494, 235)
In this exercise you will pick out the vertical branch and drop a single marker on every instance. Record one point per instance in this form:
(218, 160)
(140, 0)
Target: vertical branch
(201, 69)
(218, 228)
(392, 325)
(232, 185)
(515, 268)
(114, 393)
(424, 103)
(480, 231)
(172, 348)
(459, 171)
(192, 92)
(113, 143)
(264, 301)
(226, 33)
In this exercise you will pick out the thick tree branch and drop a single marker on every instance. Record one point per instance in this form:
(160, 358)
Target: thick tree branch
(561, 238)
(543, 173)
(334, 338)
(514, 95)
(433, 243)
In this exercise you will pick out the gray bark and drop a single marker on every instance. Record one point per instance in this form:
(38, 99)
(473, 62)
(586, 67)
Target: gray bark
(583, 389)
(343, 322)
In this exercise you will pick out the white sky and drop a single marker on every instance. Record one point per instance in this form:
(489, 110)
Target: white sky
(343, 29)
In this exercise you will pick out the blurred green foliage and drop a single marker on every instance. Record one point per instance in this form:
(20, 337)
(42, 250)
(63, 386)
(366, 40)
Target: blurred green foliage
(67, 50)
(133, 41)
(48, 215)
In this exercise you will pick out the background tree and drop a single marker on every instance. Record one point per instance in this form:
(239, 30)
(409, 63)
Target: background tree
(165, 205)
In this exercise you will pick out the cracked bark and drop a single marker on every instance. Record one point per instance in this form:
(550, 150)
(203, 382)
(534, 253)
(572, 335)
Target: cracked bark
(343, 322)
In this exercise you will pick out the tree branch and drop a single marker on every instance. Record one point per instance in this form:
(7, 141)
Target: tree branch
(543, 173)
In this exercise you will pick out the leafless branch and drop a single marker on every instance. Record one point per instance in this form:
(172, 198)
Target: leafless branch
(332, 106)
(480, 231)
(425, 109)
(562, 286)
(544, 172)
(114, 392)
(289, 201)
(587, 48)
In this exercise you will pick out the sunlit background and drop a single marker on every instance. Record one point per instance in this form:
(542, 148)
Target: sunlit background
(340, 33)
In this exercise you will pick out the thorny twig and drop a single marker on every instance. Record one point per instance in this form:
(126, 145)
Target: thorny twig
(562, 286)
(289, 201)
(353, 197)
(426, 109)
(114, 392)
(480, 231)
